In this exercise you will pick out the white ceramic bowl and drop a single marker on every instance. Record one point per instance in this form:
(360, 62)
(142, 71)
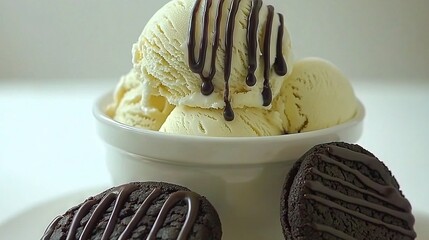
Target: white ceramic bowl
(241, 176)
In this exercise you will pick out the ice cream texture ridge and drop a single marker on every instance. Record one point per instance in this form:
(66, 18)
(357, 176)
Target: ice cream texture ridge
(226, 68)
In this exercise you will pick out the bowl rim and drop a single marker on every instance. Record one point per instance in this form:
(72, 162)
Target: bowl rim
(101, 102)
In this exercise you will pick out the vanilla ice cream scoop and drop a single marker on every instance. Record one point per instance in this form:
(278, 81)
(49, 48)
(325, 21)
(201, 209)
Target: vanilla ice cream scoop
(126, 107)
(317, 95)
(221, 54)
(248, 122)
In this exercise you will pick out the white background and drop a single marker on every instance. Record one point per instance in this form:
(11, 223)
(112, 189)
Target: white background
(382, 39)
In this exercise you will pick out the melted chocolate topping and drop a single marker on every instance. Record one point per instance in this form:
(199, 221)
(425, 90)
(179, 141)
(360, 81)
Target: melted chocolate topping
(120, 196)
(280, 65)
(252, 41)
(198, 65)
(267, 95)
(228, 112)
(387, 193)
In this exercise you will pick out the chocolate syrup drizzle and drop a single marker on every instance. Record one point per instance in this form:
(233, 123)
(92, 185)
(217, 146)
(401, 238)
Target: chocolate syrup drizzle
(229, 41)
(252, 43)
(267, 95)
(120, 196)
(387, 193)
(197, 64)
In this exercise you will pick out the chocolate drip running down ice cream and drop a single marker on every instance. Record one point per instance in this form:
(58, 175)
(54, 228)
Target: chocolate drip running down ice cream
(198, 64)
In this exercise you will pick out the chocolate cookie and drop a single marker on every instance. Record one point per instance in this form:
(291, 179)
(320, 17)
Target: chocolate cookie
(342, 191)
(140, 210)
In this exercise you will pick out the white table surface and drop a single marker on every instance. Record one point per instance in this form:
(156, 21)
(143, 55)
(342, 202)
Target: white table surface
(49, 148)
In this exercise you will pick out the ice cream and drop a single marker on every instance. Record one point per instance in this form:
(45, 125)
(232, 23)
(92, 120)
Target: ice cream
(126, 107)
(250, 122)
(226, 68)
(218, 54)
(317, 95)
